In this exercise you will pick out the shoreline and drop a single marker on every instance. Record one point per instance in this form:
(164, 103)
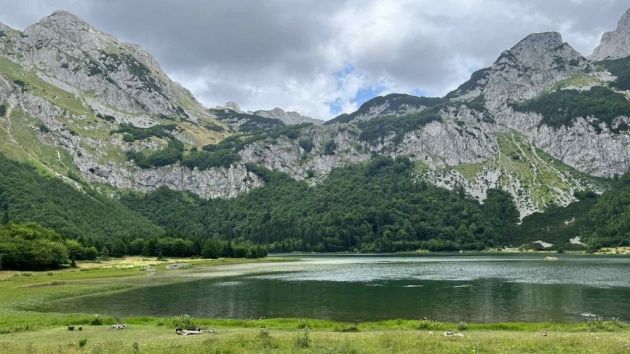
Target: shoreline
(21, 292)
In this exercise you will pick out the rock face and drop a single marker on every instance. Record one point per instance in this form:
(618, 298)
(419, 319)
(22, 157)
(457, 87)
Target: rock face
(616, 44)
(73, 95)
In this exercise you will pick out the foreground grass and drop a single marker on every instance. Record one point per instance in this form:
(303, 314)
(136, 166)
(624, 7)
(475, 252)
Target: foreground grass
(24, 330)
(150, 339)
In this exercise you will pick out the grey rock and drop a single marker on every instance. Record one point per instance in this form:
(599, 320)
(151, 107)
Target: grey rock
(615, 44)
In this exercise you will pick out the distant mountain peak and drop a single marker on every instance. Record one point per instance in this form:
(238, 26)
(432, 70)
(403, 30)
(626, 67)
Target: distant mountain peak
(287, 117)
(615, 44)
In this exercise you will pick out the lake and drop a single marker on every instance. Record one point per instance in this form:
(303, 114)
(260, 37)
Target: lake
(362, 288)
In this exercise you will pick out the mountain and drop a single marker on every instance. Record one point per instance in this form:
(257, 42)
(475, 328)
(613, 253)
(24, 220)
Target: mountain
(288, 117)
(390, 105)
(616, 44)
(538, 128)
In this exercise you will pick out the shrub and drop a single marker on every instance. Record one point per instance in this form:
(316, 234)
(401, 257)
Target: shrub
(3, 110)
(204, 160)
(600, 325)
(380, 127)
(462, 326)
(183, 322)
(306, 144)
(303, 341)
(427, 324)
(330, 147)
(214, 127)
(167, 156)
(97, 320)
(266, 340)
(132, 133)
(82, 342)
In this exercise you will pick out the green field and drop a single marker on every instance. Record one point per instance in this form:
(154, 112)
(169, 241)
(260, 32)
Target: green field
(26, 331)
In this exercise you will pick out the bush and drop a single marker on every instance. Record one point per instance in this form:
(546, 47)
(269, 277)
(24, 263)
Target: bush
(380, 127)
(82, 342)
(184, 322)
(171, 154)
(266, 340)
(306, 144)
(214, 127)
(303, 341)
(462, 326)
(330, 147)
(97, 320)
(601, 325)
(3, 110)
(427, 324)
(132, 133)
(204, 160)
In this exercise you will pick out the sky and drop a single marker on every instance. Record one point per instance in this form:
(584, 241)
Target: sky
(326, 57)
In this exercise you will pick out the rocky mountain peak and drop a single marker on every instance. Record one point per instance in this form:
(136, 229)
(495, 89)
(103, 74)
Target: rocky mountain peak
(615, 44)
(539, 50)
(525, 70)
(63, 24)
(63, 18)
(67, 51)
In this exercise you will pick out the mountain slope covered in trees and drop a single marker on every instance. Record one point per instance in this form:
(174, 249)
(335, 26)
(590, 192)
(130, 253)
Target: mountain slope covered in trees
(100, 145)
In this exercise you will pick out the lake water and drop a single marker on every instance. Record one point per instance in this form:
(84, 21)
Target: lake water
(361, 288)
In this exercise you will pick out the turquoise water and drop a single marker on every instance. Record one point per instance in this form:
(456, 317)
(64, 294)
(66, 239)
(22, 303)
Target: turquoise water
(360, 288)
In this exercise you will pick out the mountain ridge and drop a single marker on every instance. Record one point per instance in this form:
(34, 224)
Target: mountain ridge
(106, 111)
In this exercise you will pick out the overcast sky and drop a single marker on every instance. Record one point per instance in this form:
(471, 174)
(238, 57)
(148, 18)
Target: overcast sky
(324, 57)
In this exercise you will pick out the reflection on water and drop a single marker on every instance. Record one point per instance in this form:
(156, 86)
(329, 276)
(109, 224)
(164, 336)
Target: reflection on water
(473, 289)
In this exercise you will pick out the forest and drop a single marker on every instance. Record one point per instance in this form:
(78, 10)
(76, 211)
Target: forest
(377, 206)
(382, 205)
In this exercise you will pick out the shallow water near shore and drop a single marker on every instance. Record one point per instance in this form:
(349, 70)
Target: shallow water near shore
(488, 288)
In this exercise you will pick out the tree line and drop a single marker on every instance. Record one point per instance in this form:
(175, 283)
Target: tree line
(378, 206)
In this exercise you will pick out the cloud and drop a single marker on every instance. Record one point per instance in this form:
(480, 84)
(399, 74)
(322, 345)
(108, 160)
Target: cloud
(325, 57)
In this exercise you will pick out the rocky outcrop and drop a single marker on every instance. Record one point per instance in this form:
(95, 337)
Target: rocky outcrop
(212, 183)
(615, 44)
(307, 156)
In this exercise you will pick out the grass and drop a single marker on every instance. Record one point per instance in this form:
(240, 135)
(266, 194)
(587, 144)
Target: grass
(576, 81)
(148, 339)
(39, 87)
(19, 136)
(23, 330)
